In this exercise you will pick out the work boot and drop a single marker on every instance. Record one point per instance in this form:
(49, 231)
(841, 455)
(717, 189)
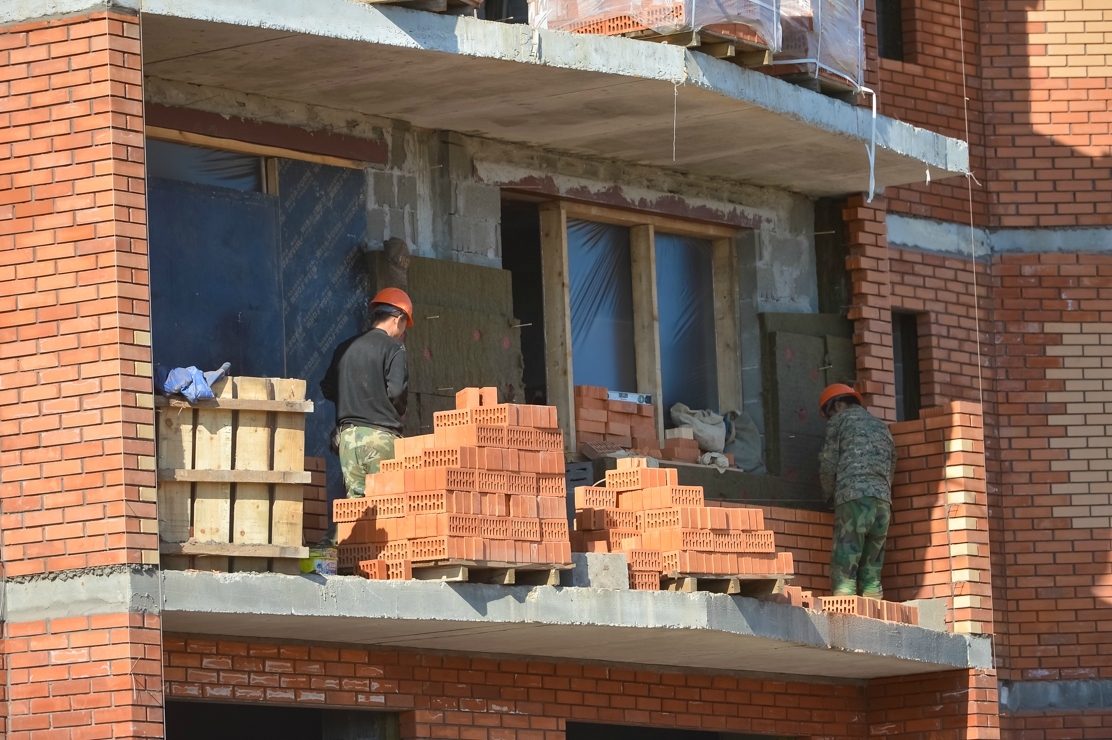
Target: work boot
(878, 595)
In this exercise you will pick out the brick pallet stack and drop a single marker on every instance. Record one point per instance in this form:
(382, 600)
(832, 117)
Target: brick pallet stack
(630, 426)
(486, 487)
(665, 529)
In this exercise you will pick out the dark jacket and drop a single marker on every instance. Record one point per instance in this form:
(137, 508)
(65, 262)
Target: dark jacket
(368, 381)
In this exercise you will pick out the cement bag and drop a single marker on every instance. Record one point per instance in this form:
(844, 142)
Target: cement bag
(709, 427)
(744, 443)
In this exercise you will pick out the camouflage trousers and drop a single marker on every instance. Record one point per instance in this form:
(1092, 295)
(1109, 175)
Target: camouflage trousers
(362, 449)
(860, 529)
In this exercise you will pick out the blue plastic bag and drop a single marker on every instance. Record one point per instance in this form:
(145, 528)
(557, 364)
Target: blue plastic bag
(188, 381)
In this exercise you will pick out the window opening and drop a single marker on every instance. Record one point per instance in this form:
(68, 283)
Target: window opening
(889, 29)
(204, 166)
(521, 255)
(905, 352)
(685, 308)
(601, 286)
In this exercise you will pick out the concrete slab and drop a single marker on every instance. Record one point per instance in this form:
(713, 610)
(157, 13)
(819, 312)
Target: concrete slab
(597, 570)
(603, 97)
(701, 631)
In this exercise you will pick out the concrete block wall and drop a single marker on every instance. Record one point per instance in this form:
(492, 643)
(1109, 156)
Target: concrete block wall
(76, 408)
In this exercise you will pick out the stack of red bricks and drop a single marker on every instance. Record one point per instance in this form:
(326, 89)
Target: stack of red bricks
(315, 498)
(889, 611)
(680, 446)
(487, 486)
(664, 528)
(628, 425)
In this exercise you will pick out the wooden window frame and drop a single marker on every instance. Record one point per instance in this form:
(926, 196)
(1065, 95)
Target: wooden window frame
(243, 147)
(643, 227)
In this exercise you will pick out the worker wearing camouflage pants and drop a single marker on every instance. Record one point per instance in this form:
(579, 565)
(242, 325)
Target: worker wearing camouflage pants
(856, 467)
(362, 450)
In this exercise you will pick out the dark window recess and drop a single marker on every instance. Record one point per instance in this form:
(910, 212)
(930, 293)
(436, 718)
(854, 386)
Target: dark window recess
(521, 255)
(585, 731)
(507, 11)
(213, 721)
(889, 29)
(905, 351)
(204, 166)
(831, 251)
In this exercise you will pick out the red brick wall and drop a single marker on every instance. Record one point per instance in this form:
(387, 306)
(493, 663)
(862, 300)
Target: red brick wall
(958, 705)
(76, 412)
(1056, 725)
(1050, 323)
(938, 540)
(76, 424)
(870, 303)
(1047, 91)
(84, 677)
(315, 516)
(478, 698)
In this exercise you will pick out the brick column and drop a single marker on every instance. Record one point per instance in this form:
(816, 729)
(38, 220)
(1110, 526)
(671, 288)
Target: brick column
(76, 417)
(870, 308)
(940, 534)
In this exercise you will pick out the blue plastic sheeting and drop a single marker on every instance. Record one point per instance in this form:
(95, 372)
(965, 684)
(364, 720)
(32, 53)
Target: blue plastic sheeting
(204, 166)
(214, 278)
(324, 280)
(685, 308)
(601, 286)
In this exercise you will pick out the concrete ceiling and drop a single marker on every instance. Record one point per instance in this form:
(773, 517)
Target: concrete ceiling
(600, 97)
(704, 631)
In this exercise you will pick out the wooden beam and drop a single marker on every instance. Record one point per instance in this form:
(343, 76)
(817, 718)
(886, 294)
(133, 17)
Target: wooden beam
(227, 477)
(667, 224)
(228, 549)
(646, 324)
(723, 50)
(237, 404)
(557, 317)
(726, 334)
(231, 145)
(754, 59)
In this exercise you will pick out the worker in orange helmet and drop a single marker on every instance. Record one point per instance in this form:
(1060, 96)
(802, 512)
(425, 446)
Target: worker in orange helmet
(368, 381)
(856, 467)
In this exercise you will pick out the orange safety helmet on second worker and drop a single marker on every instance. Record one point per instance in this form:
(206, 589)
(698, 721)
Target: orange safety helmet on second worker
(397, 298)
(834, 391)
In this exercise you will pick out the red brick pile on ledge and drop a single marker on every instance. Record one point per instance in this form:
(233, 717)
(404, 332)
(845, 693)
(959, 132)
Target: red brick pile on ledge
(487, 486)
(889, 611)
(607, 424)
(664, 528)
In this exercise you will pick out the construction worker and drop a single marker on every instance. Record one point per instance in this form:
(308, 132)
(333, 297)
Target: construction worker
(856, 466)
(368, 382)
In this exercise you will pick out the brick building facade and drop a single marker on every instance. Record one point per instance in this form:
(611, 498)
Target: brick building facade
(1004, 505)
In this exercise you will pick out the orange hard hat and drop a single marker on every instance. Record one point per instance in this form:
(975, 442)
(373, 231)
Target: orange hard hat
(397, 298)
(833, 391)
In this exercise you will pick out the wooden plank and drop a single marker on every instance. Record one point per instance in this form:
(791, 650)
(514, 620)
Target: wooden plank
(754, 58)
(447, 573)
(175, 450)
(557, 316)
(721, 50)
(275, 477)
(222, 550)
(646, 323)
(251, 510)
(212, 502)
(232, 145)
(238, 404)
(726, 333)
(289, 454)
(667, 224)
(546, 577)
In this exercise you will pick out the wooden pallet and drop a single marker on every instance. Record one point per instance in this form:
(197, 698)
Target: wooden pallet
(230, 477)
(740, 52)
(488, 571)
(740, 585)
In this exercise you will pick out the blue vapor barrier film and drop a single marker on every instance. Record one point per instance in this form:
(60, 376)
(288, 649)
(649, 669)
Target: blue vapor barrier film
(601, 287)
(685, 308)
(215, 291)
(324, 279)
(203, 166)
